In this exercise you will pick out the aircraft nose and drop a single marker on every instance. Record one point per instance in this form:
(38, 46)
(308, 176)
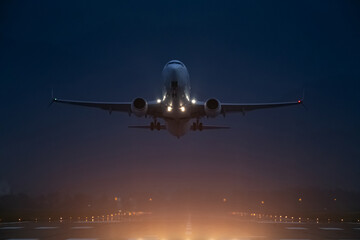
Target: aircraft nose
(172, 72)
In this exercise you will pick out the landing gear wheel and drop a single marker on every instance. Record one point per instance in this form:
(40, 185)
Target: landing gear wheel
(158, 127)
(194, 126)
(152, 126)
(200, 126)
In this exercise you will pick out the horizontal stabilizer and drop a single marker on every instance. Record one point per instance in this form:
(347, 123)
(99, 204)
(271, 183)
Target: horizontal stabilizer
(210, 127)
(215, 127)
(162, 127)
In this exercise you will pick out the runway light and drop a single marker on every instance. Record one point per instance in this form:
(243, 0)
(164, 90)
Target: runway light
(158, 100)
(182, 109)
(193, 101)
(169, 109)
(224, 200)
(262, 202)
(300, 199)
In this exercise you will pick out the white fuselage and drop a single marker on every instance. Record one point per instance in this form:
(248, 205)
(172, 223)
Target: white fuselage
(176, 98)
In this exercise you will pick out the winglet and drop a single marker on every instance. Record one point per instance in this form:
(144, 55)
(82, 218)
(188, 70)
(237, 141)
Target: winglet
(52, 98)
(301, 100)
(303, 95)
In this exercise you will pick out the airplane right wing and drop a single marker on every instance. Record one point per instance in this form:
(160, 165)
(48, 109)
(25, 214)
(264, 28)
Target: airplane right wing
(198, 109)
(245, 107)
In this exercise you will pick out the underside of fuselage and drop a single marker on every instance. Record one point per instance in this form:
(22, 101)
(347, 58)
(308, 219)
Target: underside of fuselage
(176, 98)
(178, 127)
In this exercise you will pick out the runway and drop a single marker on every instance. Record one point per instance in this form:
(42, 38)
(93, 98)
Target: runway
(182, 228)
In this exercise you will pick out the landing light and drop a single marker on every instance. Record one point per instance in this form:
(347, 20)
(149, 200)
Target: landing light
(182, 109)
(169, 109)
(158, 100)
(193, 101)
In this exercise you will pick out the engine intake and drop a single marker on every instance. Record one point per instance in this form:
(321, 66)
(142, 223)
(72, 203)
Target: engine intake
(139, 107)
(212, 107)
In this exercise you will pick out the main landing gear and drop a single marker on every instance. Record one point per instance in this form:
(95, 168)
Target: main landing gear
(155, 125)
(197, 126)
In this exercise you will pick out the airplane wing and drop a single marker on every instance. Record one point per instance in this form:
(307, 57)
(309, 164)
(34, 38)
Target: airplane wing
(198, 109)
(153, 108)
(245, 107)
(109, 106)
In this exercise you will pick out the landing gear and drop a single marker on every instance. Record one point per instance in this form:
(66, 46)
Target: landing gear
(158, 127)
(155, 125)
(197, 126)
(200, 126)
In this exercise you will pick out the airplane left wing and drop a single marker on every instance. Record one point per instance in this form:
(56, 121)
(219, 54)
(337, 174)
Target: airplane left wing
(109, 106)
(153, 108)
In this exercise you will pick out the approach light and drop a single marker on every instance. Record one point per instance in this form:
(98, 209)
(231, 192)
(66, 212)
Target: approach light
(182, 109)
(169, 109)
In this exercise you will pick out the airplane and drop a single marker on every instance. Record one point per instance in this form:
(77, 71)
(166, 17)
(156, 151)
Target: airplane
(180, 112)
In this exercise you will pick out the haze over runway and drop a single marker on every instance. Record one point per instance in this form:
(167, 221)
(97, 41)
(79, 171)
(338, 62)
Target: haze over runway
(179, 227)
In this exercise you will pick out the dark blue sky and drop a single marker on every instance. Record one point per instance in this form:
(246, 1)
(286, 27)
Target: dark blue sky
(236, 51)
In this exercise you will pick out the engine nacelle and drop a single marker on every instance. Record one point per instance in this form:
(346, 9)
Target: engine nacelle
(139, 107)
(212, 107)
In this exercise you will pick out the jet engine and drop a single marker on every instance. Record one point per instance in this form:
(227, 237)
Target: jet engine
(212, 107)
(139, 107)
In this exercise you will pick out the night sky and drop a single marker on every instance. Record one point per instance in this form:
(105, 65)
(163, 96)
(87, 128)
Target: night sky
(236, 51)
